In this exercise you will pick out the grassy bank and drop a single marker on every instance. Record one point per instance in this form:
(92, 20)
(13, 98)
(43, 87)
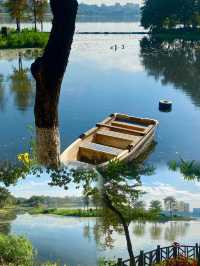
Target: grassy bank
(67, 212)
(31, 39)
(142, 216)
(24, 39)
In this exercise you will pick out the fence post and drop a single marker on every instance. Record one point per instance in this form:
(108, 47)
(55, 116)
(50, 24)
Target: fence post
(119, 262)
(141, 258)
(174, 252)
(196, 251)
(158, 254)
(198, 257)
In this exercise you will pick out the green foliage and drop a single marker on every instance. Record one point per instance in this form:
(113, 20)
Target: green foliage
(67, 212)
(189, 169)
(104, 262)
(155, 206)
(6, 198)
(24, 39)
(159, 14)
(17, 9)
(16, 251)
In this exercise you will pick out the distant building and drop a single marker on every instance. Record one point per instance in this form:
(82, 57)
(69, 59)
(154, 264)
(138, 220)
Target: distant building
(183, 206)
(196, 212)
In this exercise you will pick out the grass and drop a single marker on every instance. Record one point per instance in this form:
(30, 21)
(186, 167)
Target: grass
(24, 39)
(67, 212)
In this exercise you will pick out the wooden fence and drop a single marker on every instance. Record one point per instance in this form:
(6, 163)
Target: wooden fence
(160, 254)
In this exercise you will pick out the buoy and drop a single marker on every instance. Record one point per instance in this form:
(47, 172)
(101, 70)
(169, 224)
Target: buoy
(165, 106)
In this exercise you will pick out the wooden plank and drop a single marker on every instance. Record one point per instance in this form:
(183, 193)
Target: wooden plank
(115, 139)
(100, 148)
(96, 153)
(128, 125)
(145, 121)
(116, 135)
(125, 130)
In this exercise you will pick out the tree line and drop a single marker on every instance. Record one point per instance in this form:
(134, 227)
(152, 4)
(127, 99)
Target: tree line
(22, 10)
(170, 14)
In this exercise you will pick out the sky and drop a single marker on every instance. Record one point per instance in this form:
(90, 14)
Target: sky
(110, 2)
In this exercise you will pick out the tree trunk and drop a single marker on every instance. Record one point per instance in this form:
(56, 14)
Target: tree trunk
(41, 23)
(49, 70)
(48, 147)
(18, 25)
(35, 15)
(125, 226)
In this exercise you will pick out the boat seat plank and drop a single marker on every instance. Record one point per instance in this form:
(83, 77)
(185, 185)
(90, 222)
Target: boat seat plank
(117, 135)
(129, 126)
(124, 130)
(90, 146)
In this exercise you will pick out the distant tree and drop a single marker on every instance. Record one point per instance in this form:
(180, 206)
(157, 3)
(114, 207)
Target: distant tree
(139, 205)
(155, 206)
(5, 197)
(39, 8)
(96, 198)
(36, 201)
(170, 204)
(86, 201)
(17, 9)
(168, 14)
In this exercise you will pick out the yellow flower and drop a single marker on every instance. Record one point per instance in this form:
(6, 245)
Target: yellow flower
(24, 158)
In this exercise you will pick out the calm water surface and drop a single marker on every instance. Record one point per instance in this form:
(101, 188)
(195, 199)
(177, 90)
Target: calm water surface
(56, 238)
(101, 80)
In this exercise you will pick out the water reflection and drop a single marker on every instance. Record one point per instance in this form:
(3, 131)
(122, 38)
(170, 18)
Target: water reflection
(5, 221)
(2, 93)
(175, 62)
(139, 229)
(21, 85)
(175, 230)
(156, 231)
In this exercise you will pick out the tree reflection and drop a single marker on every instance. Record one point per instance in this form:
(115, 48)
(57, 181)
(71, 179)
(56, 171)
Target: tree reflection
(22, 86)
(139, 229)
(175, 230)
(5, 221)
(175, 62)
(87, 231)
(155, 231)
(2, 93)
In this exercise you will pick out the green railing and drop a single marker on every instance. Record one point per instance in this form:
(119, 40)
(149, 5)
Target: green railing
(163, 253)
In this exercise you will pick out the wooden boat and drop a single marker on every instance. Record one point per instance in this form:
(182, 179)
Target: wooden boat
(119, 136)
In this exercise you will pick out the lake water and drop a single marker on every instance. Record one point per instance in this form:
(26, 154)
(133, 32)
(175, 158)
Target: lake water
(106, 74)
(101, 80)
(55, 238)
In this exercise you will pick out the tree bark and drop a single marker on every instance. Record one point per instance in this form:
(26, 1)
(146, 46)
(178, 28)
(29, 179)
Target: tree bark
(125, 226)
(48, 147)
(49, 70)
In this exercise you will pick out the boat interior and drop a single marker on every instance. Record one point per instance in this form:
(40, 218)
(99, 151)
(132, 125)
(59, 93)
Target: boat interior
(112, 138)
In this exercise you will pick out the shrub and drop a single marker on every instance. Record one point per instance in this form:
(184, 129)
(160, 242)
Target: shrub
(16, 251)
